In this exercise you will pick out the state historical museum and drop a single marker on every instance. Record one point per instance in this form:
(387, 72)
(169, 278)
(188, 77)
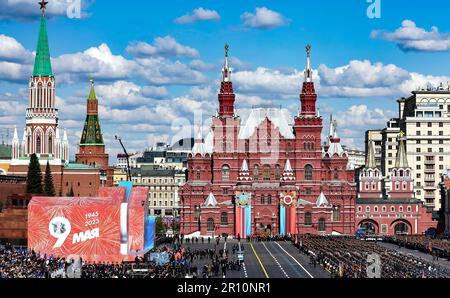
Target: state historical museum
(269, 174)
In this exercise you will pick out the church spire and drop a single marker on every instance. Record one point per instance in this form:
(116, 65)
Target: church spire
(42, 64)
(401, 161)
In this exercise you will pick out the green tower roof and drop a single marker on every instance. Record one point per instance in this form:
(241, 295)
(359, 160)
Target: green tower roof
(42, 64)
(92, 133)
(92, 95)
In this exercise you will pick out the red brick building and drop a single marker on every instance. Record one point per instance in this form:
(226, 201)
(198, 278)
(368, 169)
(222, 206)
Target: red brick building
(387, 206)
(268, 174)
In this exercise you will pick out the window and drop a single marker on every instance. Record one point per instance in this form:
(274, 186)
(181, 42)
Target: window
(359, 209)
(308, 191)
(263, 200)
(266, 172)
(322, 225)
(430, 124)
(308, 173)
(197, 212)
(400, 209)
(38, 145)
(384, 208)
(277, 172)
(367, 209)
(225, 173)
(337, 214)
(417, 124)
(441, 124)
(225, 191)
(224, 219)
(308, 219)
(210, 225)
(418, 158)
(392, 209)
(269, 200)
(336, 174)
(256, 173)
(375, 209)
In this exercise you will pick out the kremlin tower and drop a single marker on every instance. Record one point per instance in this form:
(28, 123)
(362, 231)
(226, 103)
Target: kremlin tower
(41, 134)
(43, 137)
(92, 147)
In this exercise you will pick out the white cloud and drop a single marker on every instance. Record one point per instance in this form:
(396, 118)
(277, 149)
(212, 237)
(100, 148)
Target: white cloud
(12, 51)
(356, 79)
(409, 37)
(264, 18)
(162, 46)
(14, 72)
(29, 9)
(198, 14)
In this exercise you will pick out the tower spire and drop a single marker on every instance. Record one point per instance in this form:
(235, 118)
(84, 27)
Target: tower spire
(308, 71)
(226, 72)
(42, 63)
(308, 96)
(226, 95)
(401, 161)
(92, 134)
(370, 160)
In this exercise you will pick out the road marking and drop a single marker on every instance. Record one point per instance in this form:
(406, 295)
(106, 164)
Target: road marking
(259, 260)
(276, 261)
(245, 270)
(295, 260)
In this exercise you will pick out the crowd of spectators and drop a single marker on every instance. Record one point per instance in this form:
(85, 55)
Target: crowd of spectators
(436, 246)
(347, 257)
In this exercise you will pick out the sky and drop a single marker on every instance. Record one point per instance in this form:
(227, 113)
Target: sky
(157, 64)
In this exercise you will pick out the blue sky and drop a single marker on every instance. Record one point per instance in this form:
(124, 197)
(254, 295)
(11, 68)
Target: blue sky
(155, 62)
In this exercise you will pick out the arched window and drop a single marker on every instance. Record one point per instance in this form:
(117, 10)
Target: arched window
(225, 173)
(308, 219)
(197, 212)
(277, 172)
(308, 173)
(224, 219)
(38, 145)
(266, 172)
(50, 144)
(197, 174)
(256, 173)
(263, 200)
(210, 225)
(336, 174)
(337, 214)
(322, 225)
(269, 200)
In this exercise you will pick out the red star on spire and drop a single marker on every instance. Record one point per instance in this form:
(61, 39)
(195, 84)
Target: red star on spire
(43, 5)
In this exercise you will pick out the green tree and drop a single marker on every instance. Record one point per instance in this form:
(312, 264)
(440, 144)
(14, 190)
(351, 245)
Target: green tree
(159, 225)
(49, 187)
(34, 177)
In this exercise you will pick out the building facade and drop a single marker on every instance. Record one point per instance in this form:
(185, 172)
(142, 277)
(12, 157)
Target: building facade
(424, 117)
(163, 185)
(387, 205)
(266, 175)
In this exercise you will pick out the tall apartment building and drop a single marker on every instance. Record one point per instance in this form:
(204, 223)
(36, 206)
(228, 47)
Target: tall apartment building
(425, 119)
(163, 188)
